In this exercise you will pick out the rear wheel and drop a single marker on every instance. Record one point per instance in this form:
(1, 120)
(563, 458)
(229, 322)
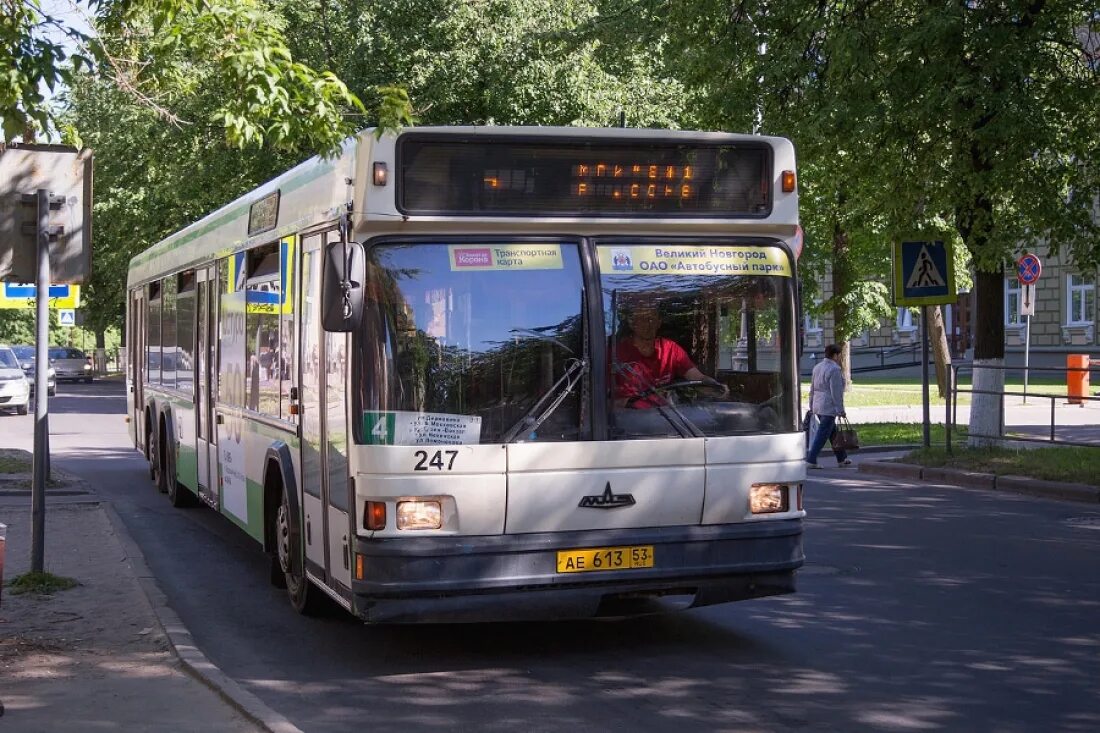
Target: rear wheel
(178, 494)
(158, 460)
(288, 538)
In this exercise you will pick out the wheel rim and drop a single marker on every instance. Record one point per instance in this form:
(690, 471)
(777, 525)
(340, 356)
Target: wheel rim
(282, 523)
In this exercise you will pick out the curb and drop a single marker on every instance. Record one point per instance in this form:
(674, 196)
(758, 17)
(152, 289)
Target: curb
(183, 644)
(985, 481)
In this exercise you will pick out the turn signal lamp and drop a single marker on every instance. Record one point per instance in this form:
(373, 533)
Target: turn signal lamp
(419, 515)
(374, 515)
(787, 178)
(768, 498)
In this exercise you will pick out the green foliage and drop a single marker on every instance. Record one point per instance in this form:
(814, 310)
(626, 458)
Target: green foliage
(29, 59)
(16, 326)
(516, 62)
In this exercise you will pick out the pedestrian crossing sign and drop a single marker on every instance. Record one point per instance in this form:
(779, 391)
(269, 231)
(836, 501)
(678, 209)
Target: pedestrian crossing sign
(924, 273)
(66, 317)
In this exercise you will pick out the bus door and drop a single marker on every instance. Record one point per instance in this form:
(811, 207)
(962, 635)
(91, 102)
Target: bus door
(206, 435)
(323, 361)
(136, 372)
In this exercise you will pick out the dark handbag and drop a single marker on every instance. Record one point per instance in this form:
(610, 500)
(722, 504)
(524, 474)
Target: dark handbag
(844, 436)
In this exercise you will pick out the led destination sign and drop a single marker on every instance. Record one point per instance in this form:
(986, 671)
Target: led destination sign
(484, 176)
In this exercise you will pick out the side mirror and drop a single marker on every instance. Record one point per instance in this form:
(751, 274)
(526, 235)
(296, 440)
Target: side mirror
(342, 286)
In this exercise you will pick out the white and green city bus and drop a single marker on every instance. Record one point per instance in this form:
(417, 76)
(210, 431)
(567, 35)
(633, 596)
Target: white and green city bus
(399, 371)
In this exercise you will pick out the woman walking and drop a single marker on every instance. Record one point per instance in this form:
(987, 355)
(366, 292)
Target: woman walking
(827, 403)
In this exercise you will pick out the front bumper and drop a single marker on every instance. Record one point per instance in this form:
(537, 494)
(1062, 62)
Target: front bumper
(514, 577)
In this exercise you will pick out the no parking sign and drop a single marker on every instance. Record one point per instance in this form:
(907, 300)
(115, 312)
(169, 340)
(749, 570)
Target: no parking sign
(1028, 269)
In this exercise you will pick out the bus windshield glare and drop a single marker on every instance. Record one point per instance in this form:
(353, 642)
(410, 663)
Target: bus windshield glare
(486, 343)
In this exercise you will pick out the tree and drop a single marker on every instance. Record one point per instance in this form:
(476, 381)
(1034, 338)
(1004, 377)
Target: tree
(146, 48)
(516, 62)
(992, 106)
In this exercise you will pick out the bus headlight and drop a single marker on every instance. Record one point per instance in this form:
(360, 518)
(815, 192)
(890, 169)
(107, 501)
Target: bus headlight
(420, 514)
(768, 498)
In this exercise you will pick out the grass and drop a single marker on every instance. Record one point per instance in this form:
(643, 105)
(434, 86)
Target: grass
(40, 583)
(14, 462)
(889, 394)
(898, 433)
(1068, 464)
(881, 391)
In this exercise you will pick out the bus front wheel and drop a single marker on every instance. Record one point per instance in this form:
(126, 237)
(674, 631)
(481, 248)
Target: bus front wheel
(303, 596)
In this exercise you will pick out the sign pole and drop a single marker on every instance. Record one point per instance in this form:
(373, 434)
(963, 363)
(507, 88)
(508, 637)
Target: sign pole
(1027, 350)
(927, 429)
(1028, 270)
(40, 465)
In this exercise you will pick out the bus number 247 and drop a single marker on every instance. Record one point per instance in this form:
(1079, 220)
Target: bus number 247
(437, 461)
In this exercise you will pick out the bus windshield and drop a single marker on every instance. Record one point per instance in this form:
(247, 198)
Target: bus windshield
(700, 339)
(472, 343)
(486, 343)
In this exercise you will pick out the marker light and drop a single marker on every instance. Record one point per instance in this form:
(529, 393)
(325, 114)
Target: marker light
(419, 515)
(374, 515)
(768, 498)
(381, 173)
(787, 177)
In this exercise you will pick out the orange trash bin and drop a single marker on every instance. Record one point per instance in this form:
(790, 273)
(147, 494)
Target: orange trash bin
(1077, 382)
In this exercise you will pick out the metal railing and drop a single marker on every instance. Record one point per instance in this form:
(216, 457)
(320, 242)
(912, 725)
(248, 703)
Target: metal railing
(887, 352)
(1053, 439)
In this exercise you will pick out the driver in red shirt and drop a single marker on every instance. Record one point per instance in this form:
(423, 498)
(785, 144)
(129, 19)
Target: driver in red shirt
(646, 360)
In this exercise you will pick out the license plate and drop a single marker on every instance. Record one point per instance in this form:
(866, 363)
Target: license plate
(595, 559)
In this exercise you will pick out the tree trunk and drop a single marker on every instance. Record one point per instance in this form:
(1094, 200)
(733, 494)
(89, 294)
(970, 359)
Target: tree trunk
(941, 354)
(986, 410)
(100, 351)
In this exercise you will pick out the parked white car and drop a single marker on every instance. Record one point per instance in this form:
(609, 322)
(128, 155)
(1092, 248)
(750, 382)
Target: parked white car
(26, 356)
(15, 390)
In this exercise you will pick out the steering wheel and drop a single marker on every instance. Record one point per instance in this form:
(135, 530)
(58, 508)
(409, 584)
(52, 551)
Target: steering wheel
(678, 384)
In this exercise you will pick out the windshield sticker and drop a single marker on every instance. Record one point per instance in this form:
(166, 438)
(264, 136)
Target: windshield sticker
(505, 257)
(420, 428)
(694, 260)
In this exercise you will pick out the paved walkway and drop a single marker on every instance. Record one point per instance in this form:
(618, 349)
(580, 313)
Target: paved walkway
(106, 655)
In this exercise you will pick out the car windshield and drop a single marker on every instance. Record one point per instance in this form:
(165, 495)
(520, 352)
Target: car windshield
(23, 353)
(700, 338)
(7, 359)
(66, 353)
(472, 343)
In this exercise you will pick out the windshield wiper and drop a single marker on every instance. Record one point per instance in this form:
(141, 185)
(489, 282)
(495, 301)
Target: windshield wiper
(533, 418)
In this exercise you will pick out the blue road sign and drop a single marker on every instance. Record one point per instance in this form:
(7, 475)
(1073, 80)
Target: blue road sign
(16, 290)
(1028, 269)
(924, 273)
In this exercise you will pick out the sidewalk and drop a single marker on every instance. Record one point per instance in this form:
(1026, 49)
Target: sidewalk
(100, 656)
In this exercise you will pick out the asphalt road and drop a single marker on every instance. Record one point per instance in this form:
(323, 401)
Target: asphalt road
(922, 608)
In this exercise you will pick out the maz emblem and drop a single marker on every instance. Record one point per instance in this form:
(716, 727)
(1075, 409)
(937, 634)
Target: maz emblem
(607, 500)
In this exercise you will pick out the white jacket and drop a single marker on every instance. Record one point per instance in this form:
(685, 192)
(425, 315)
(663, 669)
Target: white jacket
(827, 388)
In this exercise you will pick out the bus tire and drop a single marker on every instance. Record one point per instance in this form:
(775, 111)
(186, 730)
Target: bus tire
(151, 452)
(161, 457)
(305, 599)
(178, 495)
